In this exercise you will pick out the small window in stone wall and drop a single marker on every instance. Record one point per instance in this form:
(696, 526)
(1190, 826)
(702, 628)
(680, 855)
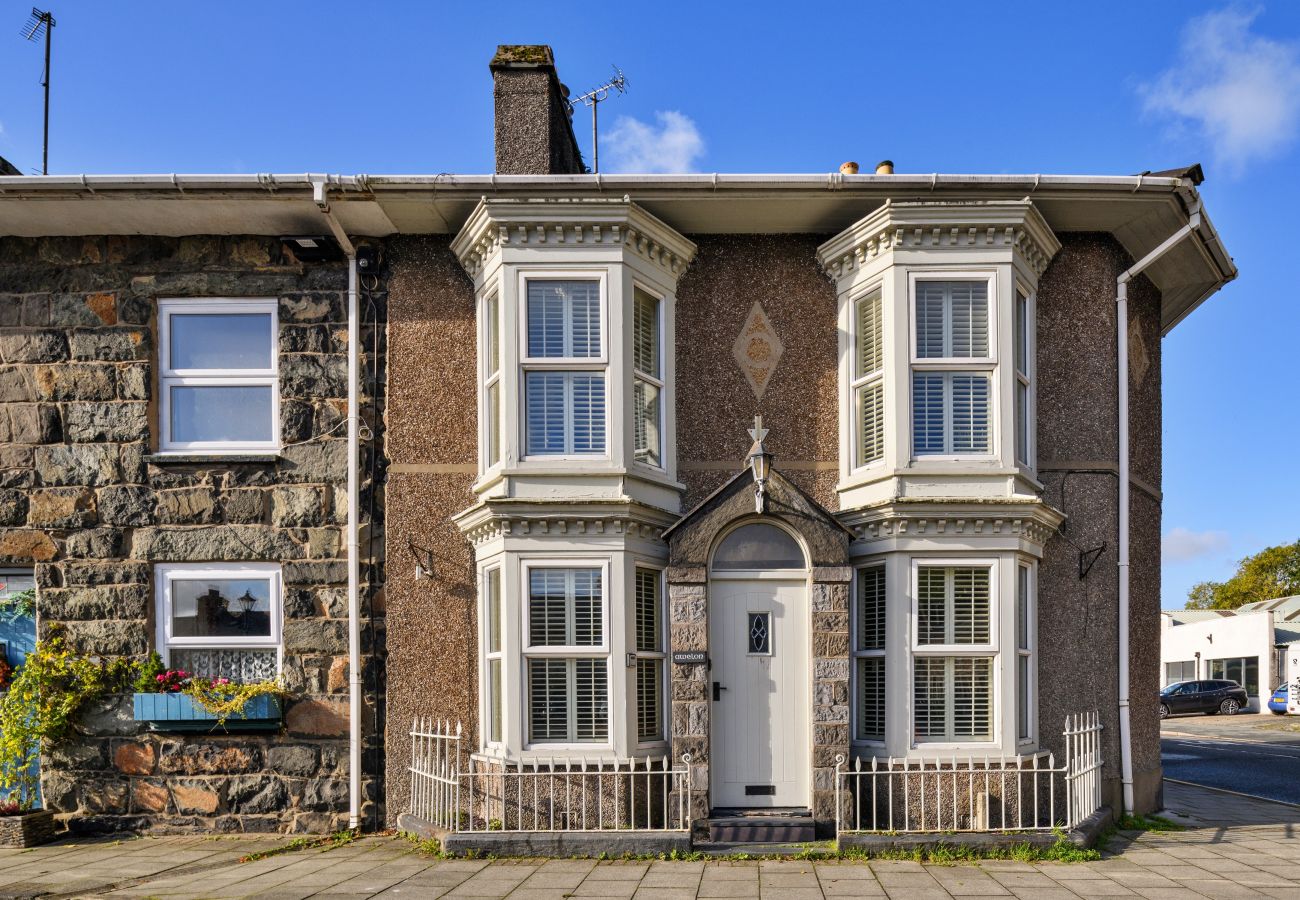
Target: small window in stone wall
(221, 620)
(218, 375)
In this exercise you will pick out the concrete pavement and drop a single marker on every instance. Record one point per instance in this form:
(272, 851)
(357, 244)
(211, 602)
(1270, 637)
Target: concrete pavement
(1236, 847)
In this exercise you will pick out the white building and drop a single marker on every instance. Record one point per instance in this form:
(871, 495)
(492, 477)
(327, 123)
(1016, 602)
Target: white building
(1247, 645)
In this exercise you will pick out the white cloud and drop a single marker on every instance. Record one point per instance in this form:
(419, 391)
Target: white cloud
(1241, 90)
(672, 145)
(1182, 545)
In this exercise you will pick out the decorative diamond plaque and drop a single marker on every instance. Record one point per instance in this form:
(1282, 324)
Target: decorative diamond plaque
(758, 350)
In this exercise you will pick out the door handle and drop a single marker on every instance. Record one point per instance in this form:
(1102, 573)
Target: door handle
(718, 688)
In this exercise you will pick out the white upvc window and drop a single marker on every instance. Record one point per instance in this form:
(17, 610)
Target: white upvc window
(647, 378)
(492, 647)
(870, 602)
(218, 375)
(566, 653)
(868, 385)
(490, 354)
(1026, 645)
(565, 367)
(954, 647)
(651, 657)
(953, 363)
(1024, 362)
(221, 619)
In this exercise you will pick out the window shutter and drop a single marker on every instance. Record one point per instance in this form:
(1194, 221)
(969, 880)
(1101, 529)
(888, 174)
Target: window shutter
(871, 410)
(931, 603)
(494, 610)
(970, 413)
(563, 319)
(547, 608)
(972, 698)
(927, 413)
(591, 710)
(870, 342)
(545, 412)
(929, 701)
(1022, 608)
(645, 334)
(645, 422)
(970, 605)
(494, 693)
(588, 392)
(491, 335)
(871, 608)
(649, 700)
(647, 611)
(871, 698)
(930, 303)
(548, 699)
(587, 607)
(969, 317)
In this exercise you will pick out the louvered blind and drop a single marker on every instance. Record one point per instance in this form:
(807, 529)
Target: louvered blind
(649, 699)
(952, 606)
(952, 319)
(953, 698)
(1022, 333)
(871, 608)
(565, 607)
(563, 319)
(491, 334)
(645, 422)
(871, 413)
(1022, 608)
(494, 610)
(870, 335)
(494, 699)
(565, 412)
(591, 710)
(648, 638)
(645, 334)
(871, 698)
(493, 412)
(950, 413)
(548, 699)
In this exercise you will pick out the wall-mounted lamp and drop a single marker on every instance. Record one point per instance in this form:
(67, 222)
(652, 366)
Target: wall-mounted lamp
(760, 463)
(423, 561)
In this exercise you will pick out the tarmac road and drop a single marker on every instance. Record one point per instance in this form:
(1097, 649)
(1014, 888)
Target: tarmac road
(1244, 759)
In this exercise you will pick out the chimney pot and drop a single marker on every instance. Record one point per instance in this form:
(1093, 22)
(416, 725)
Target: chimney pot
(885, 167)
(849, 168)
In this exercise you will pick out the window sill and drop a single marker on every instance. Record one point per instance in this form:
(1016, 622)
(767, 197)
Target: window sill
(189, 458)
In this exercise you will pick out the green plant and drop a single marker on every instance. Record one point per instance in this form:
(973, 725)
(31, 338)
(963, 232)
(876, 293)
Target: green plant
(223, 699)
(324, 842)
(47, 692)
(146, 674)
(18, 605)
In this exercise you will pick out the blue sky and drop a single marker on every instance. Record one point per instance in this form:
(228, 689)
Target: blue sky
(1097, 88)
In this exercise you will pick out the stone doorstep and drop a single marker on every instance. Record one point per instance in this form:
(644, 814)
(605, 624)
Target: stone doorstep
(567, 843)
(1083, 835)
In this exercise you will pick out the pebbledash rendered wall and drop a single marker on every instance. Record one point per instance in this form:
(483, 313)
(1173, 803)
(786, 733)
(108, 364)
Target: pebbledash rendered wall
(432, 432)
(84, 502)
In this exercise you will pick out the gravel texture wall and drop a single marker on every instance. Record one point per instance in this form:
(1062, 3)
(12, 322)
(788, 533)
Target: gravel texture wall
(87, 503)
(1078, 465)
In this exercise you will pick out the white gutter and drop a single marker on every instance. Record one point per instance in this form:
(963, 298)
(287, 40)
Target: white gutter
(1121, 336)
(319, 195)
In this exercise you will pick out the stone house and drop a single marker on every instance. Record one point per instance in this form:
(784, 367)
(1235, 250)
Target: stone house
(777, 472)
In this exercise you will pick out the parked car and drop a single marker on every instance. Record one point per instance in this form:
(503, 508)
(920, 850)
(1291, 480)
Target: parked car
(1277, 702)
(1209, 697)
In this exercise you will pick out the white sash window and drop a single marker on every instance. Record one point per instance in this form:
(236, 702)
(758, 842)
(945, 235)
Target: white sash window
(953, 653)
(566, 655)
(650, 657)
(869, 653)
(564, 368)
(647, 380)
(952, 369)
(869, 379)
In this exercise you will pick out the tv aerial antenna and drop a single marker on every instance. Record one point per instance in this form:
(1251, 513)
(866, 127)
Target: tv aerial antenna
(594, 98)
(42, 21)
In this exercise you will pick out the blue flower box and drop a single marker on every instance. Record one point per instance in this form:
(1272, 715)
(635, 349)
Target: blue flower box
(180, 712)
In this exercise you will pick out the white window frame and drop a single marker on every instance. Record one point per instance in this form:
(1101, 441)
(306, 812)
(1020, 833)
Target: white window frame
(490, 377)
(1025, 379)
(166, 573)
(943, 651)
(169, 377)
(659, 381)
(490, 655)
(665, 681)
(857, 381)
(562, 364)
(529, 651)
(987, 366)
(1028, 697)
(858, 652)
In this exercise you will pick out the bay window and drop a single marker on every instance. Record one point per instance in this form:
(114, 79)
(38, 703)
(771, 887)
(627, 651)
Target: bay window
(564, 368)
(650, 657)
(868, 379)
(220, 619)
(218, 375)
(871, 601)
(647, 380)
(566, 655)
(953, 654)
(952, 369)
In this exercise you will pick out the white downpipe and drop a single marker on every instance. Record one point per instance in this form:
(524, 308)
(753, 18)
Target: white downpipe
(319, 195)
(1121, 327)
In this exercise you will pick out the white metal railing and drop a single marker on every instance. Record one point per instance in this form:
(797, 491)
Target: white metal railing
(966, 793)
(455, 791)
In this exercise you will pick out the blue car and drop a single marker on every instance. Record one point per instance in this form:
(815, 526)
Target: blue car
(1277, 702)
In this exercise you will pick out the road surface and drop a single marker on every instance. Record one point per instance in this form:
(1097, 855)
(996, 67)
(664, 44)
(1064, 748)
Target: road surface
(1232, 754)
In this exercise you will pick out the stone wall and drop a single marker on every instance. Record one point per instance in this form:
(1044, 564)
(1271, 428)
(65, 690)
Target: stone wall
(87, 503)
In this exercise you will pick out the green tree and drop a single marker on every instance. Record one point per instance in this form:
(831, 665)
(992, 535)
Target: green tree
(1271, 573)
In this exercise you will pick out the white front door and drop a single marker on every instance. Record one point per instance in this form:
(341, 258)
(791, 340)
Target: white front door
(760, 681)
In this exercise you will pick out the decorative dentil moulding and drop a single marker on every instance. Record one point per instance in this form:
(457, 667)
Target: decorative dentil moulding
(933, 225)
(497, 224)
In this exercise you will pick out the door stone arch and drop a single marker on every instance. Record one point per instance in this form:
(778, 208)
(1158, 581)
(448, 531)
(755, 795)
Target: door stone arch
(691, 541)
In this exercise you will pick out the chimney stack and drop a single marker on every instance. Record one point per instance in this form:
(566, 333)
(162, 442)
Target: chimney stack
(534, 127)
